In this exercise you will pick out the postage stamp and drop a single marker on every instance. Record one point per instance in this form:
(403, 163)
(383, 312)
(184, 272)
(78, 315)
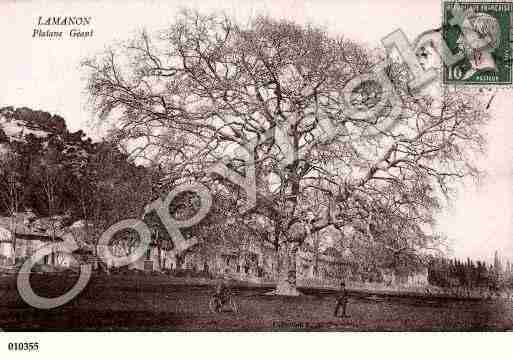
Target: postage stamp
(478, 38)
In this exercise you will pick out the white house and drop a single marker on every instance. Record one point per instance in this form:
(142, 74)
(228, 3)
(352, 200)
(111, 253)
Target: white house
(29, 237)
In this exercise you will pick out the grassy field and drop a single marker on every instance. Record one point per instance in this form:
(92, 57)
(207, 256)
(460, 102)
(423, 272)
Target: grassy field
(160, 303)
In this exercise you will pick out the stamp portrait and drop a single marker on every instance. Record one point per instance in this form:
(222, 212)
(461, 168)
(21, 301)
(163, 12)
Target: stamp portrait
(478, 35)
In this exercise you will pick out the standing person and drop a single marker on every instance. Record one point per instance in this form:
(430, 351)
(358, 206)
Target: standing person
(222, 290)
(341, 301)
(222, 296)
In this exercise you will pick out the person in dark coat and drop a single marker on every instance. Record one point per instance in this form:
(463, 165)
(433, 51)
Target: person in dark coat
(341, 301)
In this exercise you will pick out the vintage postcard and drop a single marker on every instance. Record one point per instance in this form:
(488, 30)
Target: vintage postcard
(254, 166)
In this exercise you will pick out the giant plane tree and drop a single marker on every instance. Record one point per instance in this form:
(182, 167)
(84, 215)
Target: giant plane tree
(208, 89)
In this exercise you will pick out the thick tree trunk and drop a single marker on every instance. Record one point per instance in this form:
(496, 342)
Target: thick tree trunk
(13, 237)
(316, 256)
(287, 274)
(159, 257)
(12, 259)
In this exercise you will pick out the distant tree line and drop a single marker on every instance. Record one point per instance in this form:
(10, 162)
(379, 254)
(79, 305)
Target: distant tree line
(470, 274)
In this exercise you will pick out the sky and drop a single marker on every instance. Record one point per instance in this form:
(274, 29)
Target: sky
(45, 74)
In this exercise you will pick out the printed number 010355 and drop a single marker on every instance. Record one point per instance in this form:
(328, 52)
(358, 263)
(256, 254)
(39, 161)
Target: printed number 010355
(23, 346)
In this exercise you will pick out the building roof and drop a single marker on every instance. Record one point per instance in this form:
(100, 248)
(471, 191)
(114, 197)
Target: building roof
(27, 230)
(332, 252)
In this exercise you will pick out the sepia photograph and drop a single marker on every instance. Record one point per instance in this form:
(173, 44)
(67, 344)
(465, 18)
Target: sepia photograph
(255, 166)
